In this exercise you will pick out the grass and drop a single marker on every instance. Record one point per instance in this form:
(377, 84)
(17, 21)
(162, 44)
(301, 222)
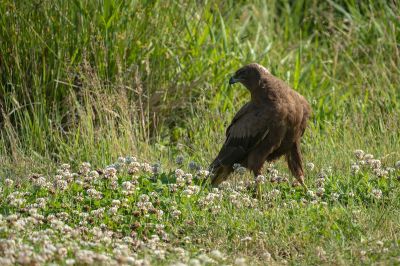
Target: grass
(96, 80)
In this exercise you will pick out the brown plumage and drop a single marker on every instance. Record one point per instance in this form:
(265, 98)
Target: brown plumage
(267, 127)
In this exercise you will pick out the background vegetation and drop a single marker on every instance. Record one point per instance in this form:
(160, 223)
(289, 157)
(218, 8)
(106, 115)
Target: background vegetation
(94, 80)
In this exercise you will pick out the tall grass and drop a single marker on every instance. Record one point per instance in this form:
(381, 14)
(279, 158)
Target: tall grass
(90, 80)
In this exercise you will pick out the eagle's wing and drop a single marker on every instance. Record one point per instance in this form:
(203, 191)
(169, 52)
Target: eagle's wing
(248, 128)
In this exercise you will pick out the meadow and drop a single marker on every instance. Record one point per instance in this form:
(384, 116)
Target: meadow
(111, 111)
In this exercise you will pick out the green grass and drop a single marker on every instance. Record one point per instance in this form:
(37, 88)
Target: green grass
(95, 80)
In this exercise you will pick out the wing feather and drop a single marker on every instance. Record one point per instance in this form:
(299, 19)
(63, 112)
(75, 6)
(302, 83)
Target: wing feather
(248, 128)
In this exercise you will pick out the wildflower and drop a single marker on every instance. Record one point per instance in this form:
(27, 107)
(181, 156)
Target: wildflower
(130, 159)
(335, 196)
(115, 203)
(260, 179)
(70, 261)
(93, 174)
(194, 262)
(110, 173)
(176, 213)
(240, 262)
(205, 259)
(179, 159)
(8, 182)
(379, 243)
(310, 193)
(61, 184)
(377, 193)
(355, 168)
(368, 157)
(375, 164)
(203, 173)
(351, 194)
(84, 168)
(359, 154)
(179, 173)
(146, 168)
(310, 166)
(217, 255)
(274, 193)
(320, 191)
(40, 182)
(113, 210)
(93, 193)
(121, 160)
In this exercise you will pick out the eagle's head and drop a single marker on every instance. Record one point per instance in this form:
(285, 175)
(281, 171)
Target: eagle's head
(249, 75)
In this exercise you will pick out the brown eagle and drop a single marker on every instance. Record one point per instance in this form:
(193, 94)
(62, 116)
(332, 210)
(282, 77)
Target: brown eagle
(267, 127)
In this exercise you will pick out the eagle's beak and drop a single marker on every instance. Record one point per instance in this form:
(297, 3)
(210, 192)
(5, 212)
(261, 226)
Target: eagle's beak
(232, 80)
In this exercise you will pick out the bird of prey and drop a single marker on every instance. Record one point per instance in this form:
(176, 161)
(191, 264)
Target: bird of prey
(264, 129)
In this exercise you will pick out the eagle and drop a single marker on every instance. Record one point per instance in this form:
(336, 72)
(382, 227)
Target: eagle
(269, 126)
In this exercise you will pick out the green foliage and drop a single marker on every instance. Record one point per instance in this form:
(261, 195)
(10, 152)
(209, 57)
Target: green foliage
(92, 80)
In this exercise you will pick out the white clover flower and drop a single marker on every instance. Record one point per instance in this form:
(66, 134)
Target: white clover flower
(203, 173)
(127, 185)
(93, 193)
(84, 168)
(110, 173)
(380, 172)
(310, 166)
(375, 164)
(335, 196)
(355, 168)
(205, 259)
(320, 191)
(274, 193)
(310, 193)
(61, 184)
(113, 210)
(70, 261)
(115, 203)
(176, 213)
(368, 157)
(179, 173)
(194, 262)
(260, 179)
(8, 182)
(130, 159)
(121, 160)
(377, 193)
(94, 174)
(359, 154)
(144, 198)
(217, 255)
(65, 167)
(146, 168)
(240, 262)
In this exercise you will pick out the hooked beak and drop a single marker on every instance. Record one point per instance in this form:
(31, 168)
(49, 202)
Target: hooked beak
(232, 80)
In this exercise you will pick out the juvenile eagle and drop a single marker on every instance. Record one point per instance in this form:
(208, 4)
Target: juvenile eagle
(267, 127)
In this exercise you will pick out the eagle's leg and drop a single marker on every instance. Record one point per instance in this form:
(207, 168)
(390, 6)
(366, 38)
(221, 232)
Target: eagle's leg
(294, 161)
(255, 164)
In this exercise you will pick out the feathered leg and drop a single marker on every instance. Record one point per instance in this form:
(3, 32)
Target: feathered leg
(294, 161)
